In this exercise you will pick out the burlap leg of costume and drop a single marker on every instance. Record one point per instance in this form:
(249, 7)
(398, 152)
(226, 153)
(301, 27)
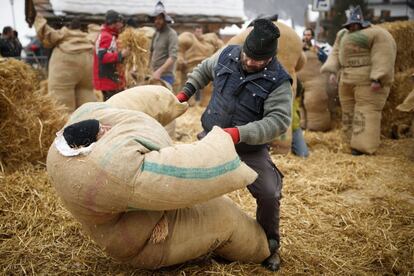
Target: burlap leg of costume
(63, 77)
(367, 118)
(84, 89)
(346, 97)
(316, 103)
(197, 231)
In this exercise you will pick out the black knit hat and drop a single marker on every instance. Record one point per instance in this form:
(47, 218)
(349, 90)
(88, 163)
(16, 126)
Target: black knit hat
(112, 17)
(261, 43)
(82, 133)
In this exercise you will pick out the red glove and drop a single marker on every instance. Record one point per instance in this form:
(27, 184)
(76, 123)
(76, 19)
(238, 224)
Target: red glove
(234, 133)
(182, 97)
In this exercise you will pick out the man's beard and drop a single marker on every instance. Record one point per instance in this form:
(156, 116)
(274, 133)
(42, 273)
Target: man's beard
(251, 69)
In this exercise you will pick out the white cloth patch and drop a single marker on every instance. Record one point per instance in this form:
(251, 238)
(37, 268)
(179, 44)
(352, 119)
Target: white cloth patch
(64, 149)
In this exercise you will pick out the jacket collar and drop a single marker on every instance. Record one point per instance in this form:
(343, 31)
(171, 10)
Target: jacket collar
(110, 30)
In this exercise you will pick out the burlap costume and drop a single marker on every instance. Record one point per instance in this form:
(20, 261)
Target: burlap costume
(70, 66)
(360, 57)
(290, 55)
(148, 202)
(316, 115)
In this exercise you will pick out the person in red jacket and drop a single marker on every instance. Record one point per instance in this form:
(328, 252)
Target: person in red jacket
(107, 74)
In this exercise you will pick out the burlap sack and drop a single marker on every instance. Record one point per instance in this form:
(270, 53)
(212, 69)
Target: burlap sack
(289, 53)
(135, 169)
(153, 100)
(316, 105)
(317, 116)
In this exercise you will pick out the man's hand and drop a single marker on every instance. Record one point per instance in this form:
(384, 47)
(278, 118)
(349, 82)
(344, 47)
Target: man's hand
(182, 97)
(332, 79)
(375, 86)
(157, 74)
(125, 52)
(234, 133)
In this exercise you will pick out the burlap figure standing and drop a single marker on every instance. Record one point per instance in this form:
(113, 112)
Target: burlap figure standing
(361, 58)
(70, 66)
(148, 202)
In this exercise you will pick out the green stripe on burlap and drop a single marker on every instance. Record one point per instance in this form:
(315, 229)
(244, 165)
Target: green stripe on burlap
(191, 173)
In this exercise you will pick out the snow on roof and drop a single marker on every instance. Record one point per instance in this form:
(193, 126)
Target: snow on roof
(230, 8)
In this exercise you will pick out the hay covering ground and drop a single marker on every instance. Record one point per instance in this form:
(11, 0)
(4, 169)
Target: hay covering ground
(341, 215)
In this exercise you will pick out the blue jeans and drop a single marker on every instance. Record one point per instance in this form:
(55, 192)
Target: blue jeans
(169, 79)
(299, 146)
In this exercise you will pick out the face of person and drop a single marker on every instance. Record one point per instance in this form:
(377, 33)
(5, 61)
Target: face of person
(354, 27)
(307, 36)
(159, 22)
(251, 65)
(198, 32)
(119, 25)
(102, 130)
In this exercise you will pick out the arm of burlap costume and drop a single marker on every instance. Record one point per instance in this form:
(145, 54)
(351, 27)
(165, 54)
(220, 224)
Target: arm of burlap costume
(332, 63)
(383, 54)
(187, 174)
(301, 62)
(184, 43)
(276, 118)
(46, 34)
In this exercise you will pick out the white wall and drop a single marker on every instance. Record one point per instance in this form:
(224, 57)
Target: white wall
(234, 8)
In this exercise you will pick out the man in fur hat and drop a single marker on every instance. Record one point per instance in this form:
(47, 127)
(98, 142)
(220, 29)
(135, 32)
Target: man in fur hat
(252, 102)
(164, 46)
(364, 56)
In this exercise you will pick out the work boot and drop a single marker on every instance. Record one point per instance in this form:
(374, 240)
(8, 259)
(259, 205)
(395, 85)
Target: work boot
(356, 152)
(273, 261)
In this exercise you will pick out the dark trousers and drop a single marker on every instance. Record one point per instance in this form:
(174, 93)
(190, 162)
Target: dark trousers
(267, 190)
(109, 93)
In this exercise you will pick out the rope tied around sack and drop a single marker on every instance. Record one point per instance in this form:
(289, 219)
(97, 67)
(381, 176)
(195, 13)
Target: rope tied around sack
(160, 231)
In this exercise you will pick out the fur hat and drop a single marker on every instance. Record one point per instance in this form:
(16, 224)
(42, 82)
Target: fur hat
(112, 17)
(355, 16)
(261, 43)
(160, 9)
(82, 133)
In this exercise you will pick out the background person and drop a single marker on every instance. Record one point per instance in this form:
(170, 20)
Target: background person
(164, 46)
(8, 46)
(108, 75)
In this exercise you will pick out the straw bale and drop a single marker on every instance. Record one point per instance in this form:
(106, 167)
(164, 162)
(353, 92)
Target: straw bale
(136, 63)
(403, 33)
(391, 116)
(29, 117)
(340, 215)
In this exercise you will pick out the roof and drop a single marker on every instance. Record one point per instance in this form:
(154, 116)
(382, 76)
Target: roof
(183, 11)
